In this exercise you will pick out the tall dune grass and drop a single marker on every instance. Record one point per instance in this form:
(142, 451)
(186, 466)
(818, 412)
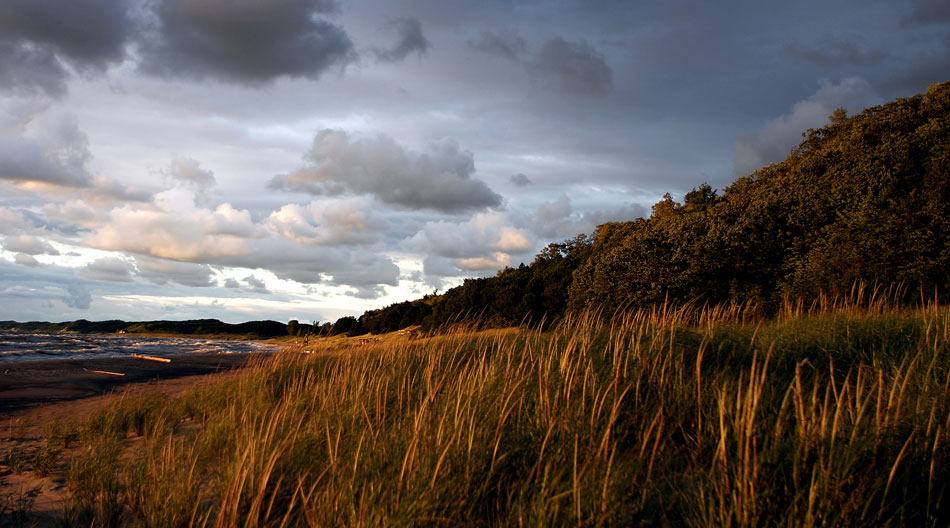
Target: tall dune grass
(828, 415)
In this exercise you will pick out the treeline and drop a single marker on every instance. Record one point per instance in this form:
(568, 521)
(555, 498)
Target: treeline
(199, 327)
(534, 294)
(864, 199)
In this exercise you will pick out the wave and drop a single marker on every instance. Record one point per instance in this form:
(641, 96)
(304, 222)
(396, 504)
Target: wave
(16, 347)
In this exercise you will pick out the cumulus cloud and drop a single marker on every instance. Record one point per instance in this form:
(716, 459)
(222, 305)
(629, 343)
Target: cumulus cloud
(44, 150)
(38, 147)
(26, 260)
(13, 221)
(188, 172)
(176, 241)
(506, 44)
(256, 285)
(38, 36)
(108, 269)
(834, 51)
(487, 241)
(245, 40)
(163, 271)
(347, 221)
(30, 245)
(779, 136)
(166, 231)
(410, 39)
(519, 180)
(439, 178)
(365, 274)
(574, 67)
(76, 213)
(78, 297)
(104, 191)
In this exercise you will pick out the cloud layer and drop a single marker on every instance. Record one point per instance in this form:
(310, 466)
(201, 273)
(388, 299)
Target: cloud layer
(150, 150)
(245, 40)
(39, 37)
(439, 178)
(779, 136)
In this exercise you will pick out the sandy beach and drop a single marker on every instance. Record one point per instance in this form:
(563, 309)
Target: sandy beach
(28, 384)
(34, 394)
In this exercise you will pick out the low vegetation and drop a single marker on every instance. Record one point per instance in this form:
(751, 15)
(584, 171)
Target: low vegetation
(835, 413)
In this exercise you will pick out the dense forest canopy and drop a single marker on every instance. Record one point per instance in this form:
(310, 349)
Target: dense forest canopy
(864, 199)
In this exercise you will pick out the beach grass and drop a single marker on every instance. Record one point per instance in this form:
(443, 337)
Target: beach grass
(824, 415)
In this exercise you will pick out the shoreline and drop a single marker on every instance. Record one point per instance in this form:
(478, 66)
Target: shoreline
(36, 394)
(165, 335)
(28, 384)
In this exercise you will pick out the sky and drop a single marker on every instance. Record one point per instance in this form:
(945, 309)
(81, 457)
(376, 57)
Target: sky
(310, 159)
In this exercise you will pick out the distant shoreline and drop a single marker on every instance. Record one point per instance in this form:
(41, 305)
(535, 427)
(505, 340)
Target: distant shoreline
(197, 328)
(216, 337)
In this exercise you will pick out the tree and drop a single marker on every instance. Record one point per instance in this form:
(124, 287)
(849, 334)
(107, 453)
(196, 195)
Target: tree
(665, 208)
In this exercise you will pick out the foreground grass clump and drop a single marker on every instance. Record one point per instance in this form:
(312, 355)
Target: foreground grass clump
(694, 417)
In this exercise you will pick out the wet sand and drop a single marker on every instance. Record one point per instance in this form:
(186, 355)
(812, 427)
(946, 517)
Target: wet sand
(28, 384)
(34, 394)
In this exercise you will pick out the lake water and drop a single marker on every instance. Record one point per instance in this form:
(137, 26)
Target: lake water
(17, 346)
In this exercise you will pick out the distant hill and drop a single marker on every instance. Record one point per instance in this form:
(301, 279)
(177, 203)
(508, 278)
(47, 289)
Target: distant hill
(199, 327)
(866, 198)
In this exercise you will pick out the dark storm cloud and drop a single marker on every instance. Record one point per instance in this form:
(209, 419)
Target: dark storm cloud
(27, 68)
(834, 51)
(36, 35)
(920, 72)
(926, 12)
(245, 40)
(91, 33)
(410, 39)
(506, 44)
(574, 67)
(439, 178)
